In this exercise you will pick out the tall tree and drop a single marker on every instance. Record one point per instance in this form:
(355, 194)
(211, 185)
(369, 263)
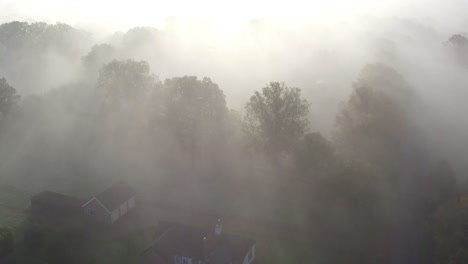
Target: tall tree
(196, 111)
(125, 81)
(459, 45)
(276, 117)
(314, 154)
(440, 184)
(45, 53)
(98, 56)
(375, 127)
(8, 97)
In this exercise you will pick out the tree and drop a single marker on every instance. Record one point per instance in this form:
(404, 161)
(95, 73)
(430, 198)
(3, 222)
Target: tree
(125, 81)
(98, 56)
(314, 154)
(459, 45)
(354, 219)
(440, 184)
(40, 51)
(8, 97)
(450, 232)
(194, 100)
(196, 113)
(6, 240)
(458, 40)
(377, 128)
(374, 127)
(276, 117)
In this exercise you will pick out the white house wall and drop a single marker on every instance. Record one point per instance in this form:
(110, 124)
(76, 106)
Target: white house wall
(115, 215)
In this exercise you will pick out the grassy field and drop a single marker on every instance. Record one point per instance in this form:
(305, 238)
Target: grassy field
(10, 219)
(13, 197)
(13, 203)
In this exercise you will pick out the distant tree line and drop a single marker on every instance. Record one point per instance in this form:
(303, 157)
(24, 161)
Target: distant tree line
(370, 190)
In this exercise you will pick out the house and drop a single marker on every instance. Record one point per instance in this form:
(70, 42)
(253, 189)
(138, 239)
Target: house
(180, 244)
(110, 205)
(54, 208)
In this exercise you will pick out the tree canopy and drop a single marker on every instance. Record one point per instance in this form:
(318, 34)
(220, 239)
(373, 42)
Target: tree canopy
(374, 126)
(8, 97)
(276, 117)
(124, 81)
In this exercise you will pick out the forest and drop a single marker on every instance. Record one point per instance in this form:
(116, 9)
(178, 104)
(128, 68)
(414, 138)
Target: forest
(374, 173)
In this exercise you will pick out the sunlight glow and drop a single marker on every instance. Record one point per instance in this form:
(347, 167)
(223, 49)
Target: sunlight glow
(222, 15)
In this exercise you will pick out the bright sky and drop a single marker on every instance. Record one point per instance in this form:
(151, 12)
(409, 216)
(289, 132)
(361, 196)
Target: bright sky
(123, 14)
(142, 12)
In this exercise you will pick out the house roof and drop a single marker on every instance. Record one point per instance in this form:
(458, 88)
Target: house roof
(115, 195)
(197, 243)
(53, 199)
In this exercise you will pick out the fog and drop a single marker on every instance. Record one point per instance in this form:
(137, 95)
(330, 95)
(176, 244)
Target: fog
(107, 91)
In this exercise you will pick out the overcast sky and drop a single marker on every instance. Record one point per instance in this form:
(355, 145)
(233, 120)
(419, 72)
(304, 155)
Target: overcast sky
(123, 14)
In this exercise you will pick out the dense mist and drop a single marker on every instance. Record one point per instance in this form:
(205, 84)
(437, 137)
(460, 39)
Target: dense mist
(346, 140)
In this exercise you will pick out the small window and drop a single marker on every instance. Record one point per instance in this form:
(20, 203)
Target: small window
(91, 212)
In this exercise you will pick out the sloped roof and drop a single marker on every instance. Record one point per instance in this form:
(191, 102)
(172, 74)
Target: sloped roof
(198, 243)
(49, 198)
(115, 195)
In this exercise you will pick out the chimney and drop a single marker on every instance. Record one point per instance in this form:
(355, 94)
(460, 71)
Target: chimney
(218, 228)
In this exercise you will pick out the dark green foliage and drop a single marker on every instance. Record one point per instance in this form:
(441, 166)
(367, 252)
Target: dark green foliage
(32, 54)
(376, 128)
(8, 97)
(353, 224)
(98, 56)
(194, 113)
(191, 96)
(450, 232)
(440, 184)
(194, 109)
(458, 40)
(373, 127)
(459, 45)
(40, 245)
(126, 81)
(367, 196)
(276, 118)
(7, 238)
(314, 154)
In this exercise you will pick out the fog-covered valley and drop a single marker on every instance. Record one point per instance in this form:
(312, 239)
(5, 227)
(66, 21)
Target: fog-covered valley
(334, 142)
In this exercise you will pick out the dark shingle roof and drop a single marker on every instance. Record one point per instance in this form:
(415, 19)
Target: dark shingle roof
(198, 243)
(54, 206)
(115, 195)
(55, 199)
